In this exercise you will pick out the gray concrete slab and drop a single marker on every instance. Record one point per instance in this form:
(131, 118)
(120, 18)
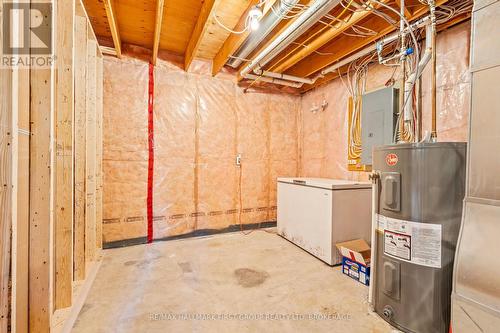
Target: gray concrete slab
(231, 282)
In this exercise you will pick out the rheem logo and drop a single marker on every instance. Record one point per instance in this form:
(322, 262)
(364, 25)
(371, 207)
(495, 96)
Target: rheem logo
(391, 159)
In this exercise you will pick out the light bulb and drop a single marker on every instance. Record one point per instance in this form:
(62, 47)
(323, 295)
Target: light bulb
(255, 14)
(254, 24)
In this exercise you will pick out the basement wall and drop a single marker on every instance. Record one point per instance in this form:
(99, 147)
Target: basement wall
(200, 124)
(324, 134)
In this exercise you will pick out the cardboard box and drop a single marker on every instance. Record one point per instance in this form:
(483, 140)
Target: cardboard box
(356, 260)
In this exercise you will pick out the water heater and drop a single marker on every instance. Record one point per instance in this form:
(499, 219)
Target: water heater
(421, 189)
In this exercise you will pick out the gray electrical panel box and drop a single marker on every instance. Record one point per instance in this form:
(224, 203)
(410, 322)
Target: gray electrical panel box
(379, 114)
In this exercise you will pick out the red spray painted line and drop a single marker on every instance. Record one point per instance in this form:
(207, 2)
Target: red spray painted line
(151, 152)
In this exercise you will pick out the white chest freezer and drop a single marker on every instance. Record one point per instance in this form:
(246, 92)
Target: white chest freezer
(316, 213)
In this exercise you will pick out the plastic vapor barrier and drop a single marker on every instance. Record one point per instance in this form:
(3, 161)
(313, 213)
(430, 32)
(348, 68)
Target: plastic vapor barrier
(125, 151)
(200, 125)
(324, 133)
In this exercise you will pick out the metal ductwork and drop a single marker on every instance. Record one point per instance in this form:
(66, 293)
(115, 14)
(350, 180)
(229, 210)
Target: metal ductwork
(267, 25)
(301, 24)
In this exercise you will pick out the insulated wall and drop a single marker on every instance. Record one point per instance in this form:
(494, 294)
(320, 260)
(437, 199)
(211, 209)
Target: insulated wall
(201, 124)
(324, 134)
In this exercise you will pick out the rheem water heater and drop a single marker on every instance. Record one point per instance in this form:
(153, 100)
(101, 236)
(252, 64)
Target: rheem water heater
(420, 198)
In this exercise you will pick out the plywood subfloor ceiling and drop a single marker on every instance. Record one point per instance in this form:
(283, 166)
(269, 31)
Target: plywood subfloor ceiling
(188, 29)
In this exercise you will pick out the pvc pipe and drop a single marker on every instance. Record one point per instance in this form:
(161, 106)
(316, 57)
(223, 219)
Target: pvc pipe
(370, 49)
(311, 15)
(432, 6)
(273, 80)
(408, 115)
(373, 245)
(284, 76)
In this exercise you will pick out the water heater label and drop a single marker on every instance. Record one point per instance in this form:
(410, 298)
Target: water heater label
(418, 243)
(391, 159)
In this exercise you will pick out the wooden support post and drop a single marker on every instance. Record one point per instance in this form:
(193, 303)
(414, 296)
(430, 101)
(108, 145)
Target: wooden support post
(5, 188)
(40, 208)
(63, 231)
(90, 179)
(20, 220)
(98, 173)
(80, 150)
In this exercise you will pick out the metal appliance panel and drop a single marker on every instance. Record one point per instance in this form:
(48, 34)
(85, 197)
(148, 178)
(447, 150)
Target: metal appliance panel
(378, 120)
(430, 190)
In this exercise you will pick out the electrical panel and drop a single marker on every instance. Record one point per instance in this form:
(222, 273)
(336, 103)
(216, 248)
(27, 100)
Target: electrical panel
(379, 114)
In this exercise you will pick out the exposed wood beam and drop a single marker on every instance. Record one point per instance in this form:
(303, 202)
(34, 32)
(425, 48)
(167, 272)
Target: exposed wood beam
(407, 12)
(207, 10)
(345, 45)
(330, 33)
(158, 24)
(234, 41)
(113, 26)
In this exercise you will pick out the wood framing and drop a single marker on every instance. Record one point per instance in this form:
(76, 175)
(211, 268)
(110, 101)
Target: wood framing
(233, 42)
(90, 156)
(63, 222)
(99, 148)
(20, 223)
(344, 46)
(113, 26)
(329, 34)
(80, 150)
(158, 25)
(407, 12)
(201, 25)
(5, 187)
(40, 207)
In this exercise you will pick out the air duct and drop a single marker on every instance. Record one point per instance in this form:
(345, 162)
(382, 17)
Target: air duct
(267, 24)
(310, 16)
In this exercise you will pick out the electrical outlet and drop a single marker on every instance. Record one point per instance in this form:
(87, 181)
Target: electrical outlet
(238, 160)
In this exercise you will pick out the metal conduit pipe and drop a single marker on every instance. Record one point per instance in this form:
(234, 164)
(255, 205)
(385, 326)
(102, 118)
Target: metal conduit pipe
(267, 24)
(310, 16)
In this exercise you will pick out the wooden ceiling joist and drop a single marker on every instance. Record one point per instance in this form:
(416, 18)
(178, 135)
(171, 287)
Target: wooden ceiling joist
(113, 26)
(158, 25)
(329, 33)
(234, 41)
(407, 12)
(344, 47)
(207, 10)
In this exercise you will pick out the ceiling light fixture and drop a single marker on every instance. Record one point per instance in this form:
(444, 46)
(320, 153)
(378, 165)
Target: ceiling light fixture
(254, 15)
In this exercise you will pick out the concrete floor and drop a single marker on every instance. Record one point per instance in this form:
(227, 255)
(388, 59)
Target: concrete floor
(144, 289)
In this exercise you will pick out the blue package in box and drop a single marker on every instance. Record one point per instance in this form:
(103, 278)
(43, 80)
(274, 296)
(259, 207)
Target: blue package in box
(356, 260)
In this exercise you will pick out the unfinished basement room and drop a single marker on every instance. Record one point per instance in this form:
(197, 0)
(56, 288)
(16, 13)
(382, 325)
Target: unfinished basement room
(250, 166)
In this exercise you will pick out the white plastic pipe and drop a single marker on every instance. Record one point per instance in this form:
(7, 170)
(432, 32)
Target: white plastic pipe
(273, 80)
(373, 245)
(284, 76)
(371, 48)
(408, 112)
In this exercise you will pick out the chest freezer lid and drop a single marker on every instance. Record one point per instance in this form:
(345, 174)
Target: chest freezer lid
(330, 184)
